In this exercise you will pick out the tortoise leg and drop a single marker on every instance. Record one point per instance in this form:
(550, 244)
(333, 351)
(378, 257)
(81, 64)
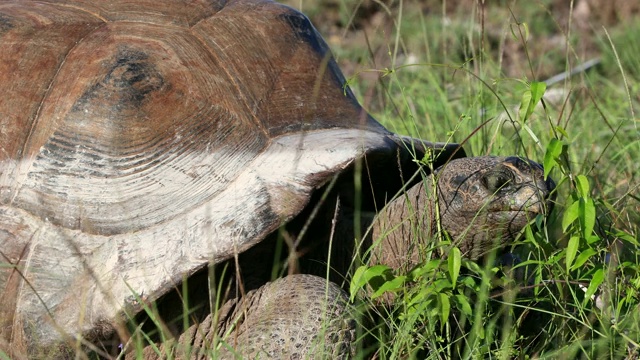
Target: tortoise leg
(295, 317)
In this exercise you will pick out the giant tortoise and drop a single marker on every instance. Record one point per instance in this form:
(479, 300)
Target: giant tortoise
(141, 142)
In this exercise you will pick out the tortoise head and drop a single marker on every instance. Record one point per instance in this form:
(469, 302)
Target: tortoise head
(486, 201)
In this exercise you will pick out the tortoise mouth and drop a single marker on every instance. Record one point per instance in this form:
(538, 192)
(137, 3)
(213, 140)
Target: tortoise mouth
(531, 210)
(515, 218)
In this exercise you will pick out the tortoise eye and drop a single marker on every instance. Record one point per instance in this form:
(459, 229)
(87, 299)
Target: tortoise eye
(498, 179)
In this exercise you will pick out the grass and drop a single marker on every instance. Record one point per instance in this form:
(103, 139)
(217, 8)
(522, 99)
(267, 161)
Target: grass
(455, 78)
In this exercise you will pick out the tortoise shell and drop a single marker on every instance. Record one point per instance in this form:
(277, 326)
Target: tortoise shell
(140, 141)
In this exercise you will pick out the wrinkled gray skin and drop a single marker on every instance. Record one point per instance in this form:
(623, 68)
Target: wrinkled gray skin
(483, 203)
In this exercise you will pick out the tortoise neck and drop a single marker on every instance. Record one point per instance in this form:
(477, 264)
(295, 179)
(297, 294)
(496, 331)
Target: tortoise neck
(403, 228)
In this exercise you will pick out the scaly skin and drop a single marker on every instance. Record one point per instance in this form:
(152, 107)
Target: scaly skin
(482, 203)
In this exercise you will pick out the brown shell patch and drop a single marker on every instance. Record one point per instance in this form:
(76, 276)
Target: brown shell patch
(130, 78)
(6, 23)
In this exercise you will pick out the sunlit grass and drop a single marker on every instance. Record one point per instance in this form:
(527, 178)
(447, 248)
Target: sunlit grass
(446, 80)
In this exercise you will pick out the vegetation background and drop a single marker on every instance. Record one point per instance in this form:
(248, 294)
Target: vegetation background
(483, 73)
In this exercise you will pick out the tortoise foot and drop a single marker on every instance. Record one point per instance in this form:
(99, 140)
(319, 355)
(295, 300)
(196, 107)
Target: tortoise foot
(295, 317)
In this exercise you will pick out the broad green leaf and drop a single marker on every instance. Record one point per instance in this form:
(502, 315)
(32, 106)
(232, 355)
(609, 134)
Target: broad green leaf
(442, 284)
(554, 150)
(376, 270)
(421, 297)
(445, 308)
(587, 216)
(473, 267)
(592, 239)
(468, 282)
(572, 250)
(434, 309)
(425, 270)
(570, 215)
(597, 279)
(357, 281)
(627, 237)
(463, 304)
(537, 92)
(530, 99)
(525, 103)
(562, 131)
(455, 261)
(528, 235)
(583, 257)
(555, 257)
(582, 184)
(393, 285)
(363, 276)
